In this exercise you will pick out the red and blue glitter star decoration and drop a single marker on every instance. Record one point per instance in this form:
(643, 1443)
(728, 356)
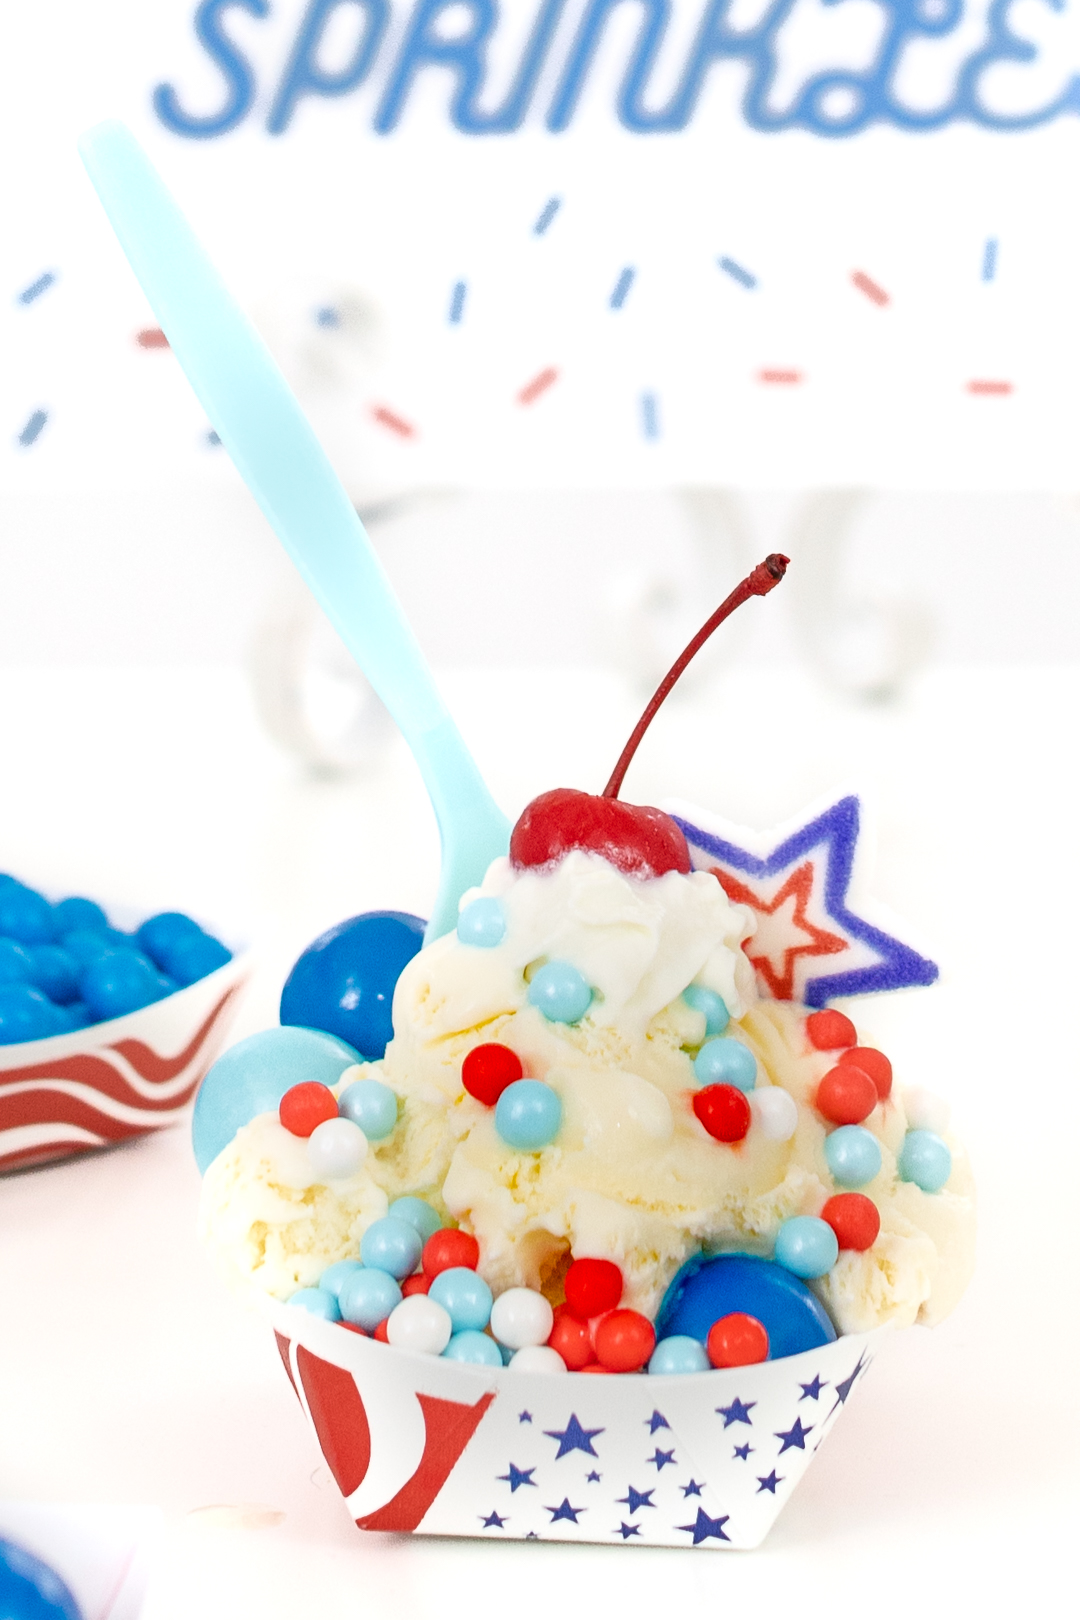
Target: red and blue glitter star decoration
(796, 883)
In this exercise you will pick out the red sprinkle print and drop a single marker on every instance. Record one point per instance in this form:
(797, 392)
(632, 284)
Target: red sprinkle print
(151, 337)
(876, 294)
(539, 385)
(775, 376)
(988, 385)
(390, 419)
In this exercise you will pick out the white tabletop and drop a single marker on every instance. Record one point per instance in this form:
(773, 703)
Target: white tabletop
(129, 1375)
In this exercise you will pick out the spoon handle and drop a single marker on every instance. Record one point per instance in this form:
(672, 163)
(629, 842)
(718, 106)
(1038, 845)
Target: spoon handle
(285, 467)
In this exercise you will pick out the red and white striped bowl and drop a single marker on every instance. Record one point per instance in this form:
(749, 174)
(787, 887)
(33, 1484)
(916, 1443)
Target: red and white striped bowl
(72, 1093)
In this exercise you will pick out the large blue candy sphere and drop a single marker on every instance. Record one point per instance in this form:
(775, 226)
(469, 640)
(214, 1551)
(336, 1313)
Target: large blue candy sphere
(678, 1354)
(319, 1302)
(418, 1213)
(367, 1298)
(158, 933)
(466, 1296)
(30, 1589)
(853, 1155)
(713, 1006)
(76, 912)
(391, 1245)
(55, 972)
(372, 1106)
(483, 922)
(726, 1062)
(475, 1347)
(807, 1246)
(26, 915)
(16, 964)
(27, 1015)
(560, 992)
(252, 1077)
(121, 982)
(925, 1159)
(344, 982)
(192, 957)
(705, 1290)
(528, 1115)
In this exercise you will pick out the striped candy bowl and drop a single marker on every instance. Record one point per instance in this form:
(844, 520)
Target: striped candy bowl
(703, 1460)
(71, 1093)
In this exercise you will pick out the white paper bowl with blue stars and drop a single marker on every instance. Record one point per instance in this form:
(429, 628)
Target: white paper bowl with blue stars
(704, 1460)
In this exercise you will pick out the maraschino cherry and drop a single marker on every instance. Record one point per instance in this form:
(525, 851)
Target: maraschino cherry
(638, 839)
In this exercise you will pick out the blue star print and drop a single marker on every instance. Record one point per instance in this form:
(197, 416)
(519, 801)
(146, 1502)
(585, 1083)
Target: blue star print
(795, 1436)
(518, 1476)
(492, 1522)
(657, 1422)
(813, 1389)
(843, 1389)
(637, 1499)
(626, 1530)
(703, 1527)
(564, 1511)
(769, 1483)
(524, 1417)
(737, 1412)
(693, 1489)
(744, 1451)
(661, 1458)
(573, 1438)
(592, 1478)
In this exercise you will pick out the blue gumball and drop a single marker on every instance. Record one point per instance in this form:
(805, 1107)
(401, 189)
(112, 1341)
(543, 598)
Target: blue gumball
(678, 1354)
(726, 1062)
(391, 1245)
(706, 1289)
(335, 1276)
(367, 1297)
(31, 1589)
(483, 922)
(806, 1246)
(344, 982)
(528, 1115)
(252, 1077)
(926, 1160)
(88, 945)
(55, 972)
(26, 915)
(160, 932)
(372, 1106)
(319, 1301)
(27, 1015)
(853, 1155)
(466, 1296)
(16, 965)
(418, 1213)
(560, 992)
(75, 912)
(478, 1348)
(192, 956)
(713, 1007)
(121, 982)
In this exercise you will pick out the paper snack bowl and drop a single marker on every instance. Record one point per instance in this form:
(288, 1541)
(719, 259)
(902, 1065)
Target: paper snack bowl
(701, 1460)
(72, 1093)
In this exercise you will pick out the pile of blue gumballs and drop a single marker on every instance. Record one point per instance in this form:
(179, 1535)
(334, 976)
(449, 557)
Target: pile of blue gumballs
(64, 967)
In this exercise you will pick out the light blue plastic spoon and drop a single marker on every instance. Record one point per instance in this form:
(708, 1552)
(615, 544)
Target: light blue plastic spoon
(286, 469)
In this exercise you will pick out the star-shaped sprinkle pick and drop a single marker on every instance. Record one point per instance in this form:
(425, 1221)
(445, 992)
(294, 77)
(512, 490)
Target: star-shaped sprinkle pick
(809, 945)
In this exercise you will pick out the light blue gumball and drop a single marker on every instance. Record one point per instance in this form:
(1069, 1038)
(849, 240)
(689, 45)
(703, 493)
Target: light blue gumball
(391, 1245)
(806, 1246)
(419, 1214)
(470, 1345)
(372, 1106)
(483, 922)
(853, 1155)
(367, 1297)
(252, 1077)
(925, 1159)
(560, 993)
(319, 1302)
(678, 1354)
(726, 1062)
(528, 1115)
(465, 1295)
(337, 1274)
(713, 1006)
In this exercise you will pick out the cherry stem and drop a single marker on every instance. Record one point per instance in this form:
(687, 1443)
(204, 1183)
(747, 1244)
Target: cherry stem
(759, 582)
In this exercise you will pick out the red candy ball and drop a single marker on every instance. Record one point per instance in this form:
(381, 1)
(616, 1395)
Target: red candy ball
(354, 1327)
(724, 1111)
(570, 1337)
(419, 1284)
(593, 1367)
(624, 1341)
(737, 1340)
(829, 1030)
(488, 1070)
(847, 1095)
(873, 1063)
(449, 1248)
(305, 1106)
(380, 1332)
(592, 1287)
(854, 1218)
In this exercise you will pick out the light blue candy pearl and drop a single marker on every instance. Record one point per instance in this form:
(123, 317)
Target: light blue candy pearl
(679, 1354)
(483, 922)
(319, 1302)
(528, 1115)
(465, 1295)
(807, 1246)
(726, 1062)
(418, 1214)
(708, 1002)
(853, 1155)
(367, 1298)
(560, 993)
(391, 1245)
(475, 1347)
(371, 1105)
(334, 1276)
(925, 1159)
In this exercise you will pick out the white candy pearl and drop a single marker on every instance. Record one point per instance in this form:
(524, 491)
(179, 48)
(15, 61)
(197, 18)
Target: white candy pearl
(925, 1110)
(538, 1358)
(336, 1149)
(419, 1323)
(520, 1318)
(775, 1112)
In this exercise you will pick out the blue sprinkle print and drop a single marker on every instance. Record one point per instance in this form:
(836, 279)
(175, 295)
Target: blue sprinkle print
(989, 264)
(327, 316)
(36, 288)
(33, 428)
(622, 287)
(650, 416)
(547, 214)
(737, 273)
(457, 303)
